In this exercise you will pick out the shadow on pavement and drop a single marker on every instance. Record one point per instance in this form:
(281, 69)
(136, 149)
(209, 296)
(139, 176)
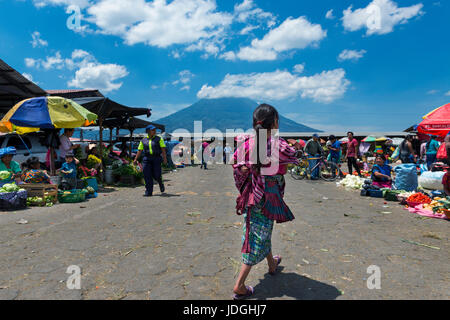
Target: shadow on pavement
(167, 195)
(295, 286)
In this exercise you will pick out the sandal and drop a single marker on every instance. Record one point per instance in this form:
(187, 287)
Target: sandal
(248, 294)
(278, 258)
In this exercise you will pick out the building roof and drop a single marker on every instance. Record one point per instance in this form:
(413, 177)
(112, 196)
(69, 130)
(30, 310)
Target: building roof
(14, 87)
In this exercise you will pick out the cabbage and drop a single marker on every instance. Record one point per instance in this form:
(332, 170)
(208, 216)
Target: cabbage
(11, 187)
(350, 181)
(5, 175)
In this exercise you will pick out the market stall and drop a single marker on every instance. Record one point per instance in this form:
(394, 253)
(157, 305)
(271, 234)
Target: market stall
(46, 113)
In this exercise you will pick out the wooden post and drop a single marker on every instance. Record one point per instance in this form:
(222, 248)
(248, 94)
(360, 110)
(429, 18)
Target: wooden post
(110, 136)
(52, 162)
(131, 143)
(100, 122)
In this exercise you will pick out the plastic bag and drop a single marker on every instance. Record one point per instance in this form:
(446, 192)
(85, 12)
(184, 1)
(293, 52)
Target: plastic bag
(432, 180)
(406, 177)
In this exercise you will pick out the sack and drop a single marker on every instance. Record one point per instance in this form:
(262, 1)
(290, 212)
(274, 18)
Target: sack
(432, 180)
(406, 177)
(442, 152)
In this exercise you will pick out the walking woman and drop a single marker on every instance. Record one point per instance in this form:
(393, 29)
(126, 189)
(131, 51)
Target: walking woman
(261, 189)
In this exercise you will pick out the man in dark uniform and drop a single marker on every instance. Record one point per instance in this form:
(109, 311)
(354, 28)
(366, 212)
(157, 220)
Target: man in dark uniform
(153, 148)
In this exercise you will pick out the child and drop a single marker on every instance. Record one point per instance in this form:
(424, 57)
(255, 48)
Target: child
(33, 172)
(69, 171)
(261, 191)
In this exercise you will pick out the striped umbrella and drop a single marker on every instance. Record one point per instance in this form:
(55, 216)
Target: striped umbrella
(46, 113)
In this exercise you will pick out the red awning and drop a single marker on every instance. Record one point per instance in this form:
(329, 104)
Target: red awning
(437, 122)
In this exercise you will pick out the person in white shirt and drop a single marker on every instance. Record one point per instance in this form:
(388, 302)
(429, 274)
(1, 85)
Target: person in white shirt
(66, 145)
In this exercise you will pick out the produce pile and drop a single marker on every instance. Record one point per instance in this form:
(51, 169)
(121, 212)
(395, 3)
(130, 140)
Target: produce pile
(437, 205)
(5, 175)
(10, 187)
(39, 201)
(350, 181)
(419, 198)
(89, 190)
(128, 170)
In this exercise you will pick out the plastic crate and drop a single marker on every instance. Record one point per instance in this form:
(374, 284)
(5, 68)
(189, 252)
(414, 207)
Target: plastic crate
(74, 196)
(376, 193)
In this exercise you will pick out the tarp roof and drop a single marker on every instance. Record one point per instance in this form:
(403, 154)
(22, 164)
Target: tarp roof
(72, 94)
(14, 87)
(96, 102)
(131, 124)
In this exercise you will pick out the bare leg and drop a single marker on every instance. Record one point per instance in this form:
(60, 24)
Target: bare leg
(239, 287)
(271, 262)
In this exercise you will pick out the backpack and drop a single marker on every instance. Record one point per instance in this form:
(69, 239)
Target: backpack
(442, 152)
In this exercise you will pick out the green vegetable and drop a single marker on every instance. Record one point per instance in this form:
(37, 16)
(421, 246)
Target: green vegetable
(90, 190)
(10, 187)
(5, 175)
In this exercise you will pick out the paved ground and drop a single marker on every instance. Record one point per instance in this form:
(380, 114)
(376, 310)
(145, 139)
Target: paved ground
(187, 244)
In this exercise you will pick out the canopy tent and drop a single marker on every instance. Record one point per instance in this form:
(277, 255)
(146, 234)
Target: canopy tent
(14, 87)
(106, 108)
(131, 124)
(46, 113)
(369, 139)
(344, 140)
(437, 122)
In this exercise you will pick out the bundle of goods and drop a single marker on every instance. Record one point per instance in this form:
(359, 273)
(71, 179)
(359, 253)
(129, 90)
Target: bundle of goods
(432, 180)
(12, 197)
(351, 182)
(392, 195)
(417, 199)
(370, 190)
(406, 177)
(90, 192)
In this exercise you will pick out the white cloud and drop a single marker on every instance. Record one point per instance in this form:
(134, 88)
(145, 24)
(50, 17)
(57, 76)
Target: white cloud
(53, 62)
(248, 11)
(30, 62)
(79, 3)
(37, 40)
(379, 17)
(159, 23)
(28, 76)
(351, 55)
(89, 72)
(330, 15)
(448, 93)
(432, 91)
(247, 30)
(185, 78)
(324, 87)
(291, 34)
(299, 68)
(99, 76)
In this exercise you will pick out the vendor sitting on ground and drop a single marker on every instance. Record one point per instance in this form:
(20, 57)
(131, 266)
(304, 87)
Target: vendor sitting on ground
(7, 164)
(32, 172)
(381, 173)
(69, 171)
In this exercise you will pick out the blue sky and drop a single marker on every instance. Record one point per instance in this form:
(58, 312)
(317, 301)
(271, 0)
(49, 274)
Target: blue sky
(334, 65)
